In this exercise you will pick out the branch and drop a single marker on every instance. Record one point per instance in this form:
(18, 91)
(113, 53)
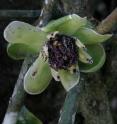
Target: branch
(46, 13)
(75, 6)
(108, 23)
(70, 105)
(19, 14)
(16, 101)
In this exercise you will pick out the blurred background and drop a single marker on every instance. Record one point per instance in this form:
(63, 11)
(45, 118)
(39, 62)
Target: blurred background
(46, 106)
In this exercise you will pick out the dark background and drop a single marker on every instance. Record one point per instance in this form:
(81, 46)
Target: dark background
(46, 105)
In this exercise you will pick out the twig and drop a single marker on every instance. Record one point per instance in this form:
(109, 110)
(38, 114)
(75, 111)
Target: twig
(16, 101)
(18, 96)
(69, 109)
(46, 13)
(5, 14)
(108, 23)
(75, 6)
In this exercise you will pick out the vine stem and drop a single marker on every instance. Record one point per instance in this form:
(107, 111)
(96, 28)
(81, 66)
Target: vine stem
(18, 96)
(108, 23)
(5, 14)
(68, 112)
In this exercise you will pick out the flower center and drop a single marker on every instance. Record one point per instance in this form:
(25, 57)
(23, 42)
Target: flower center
(62, 52)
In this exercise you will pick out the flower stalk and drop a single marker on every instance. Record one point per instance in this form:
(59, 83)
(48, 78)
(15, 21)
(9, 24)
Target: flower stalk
(70, 106)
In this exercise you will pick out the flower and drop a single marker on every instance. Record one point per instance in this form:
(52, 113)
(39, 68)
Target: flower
(66, 47)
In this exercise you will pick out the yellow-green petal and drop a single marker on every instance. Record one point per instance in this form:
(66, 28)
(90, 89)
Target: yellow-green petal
(89, 36)
(19, 50)
(66, 25)
(84, 56)
(68, 79)
(97, 53)
(23, 33)
(26, 117)
(37, 77)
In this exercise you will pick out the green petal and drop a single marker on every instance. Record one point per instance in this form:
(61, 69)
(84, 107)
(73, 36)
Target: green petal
(68, 79)
(97, 53)
(38, 77)
(19, 51)
(67, 25)
(89, 36)
(26, 117)
(22, 33)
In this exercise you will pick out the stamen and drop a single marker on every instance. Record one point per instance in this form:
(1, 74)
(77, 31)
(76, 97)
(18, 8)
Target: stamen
(52, 35)
(85, 57)
(80, 45)
(44, 52)
(55, 74)
(62, 51)
(90, 61)
(74, 69)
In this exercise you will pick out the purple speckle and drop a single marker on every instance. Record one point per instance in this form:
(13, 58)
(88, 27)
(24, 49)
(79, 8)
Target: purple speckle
(62, 51)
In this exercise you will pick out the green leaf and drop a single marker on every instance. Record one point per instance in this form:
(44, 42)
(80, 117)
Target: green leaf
(24, 34)
(38, 77)
(26, 117)
(67, 25)
(19, 51)
(97, 53)
(89, 36)
(68, 79)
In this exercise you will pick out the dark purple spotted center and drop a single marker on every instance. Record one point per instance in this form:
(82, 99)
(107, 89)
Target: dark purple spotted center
(62, 51)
